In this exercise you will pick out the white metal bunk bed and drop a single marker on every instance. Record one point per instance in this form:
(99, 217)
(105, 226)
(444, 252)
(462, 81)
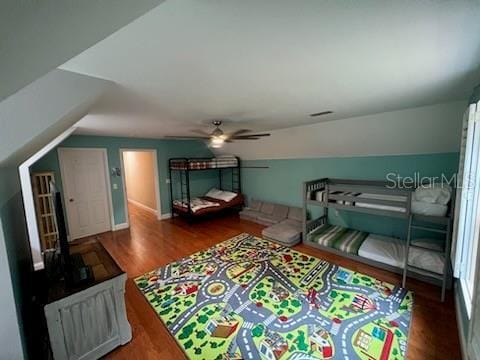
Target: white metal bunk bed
(380, 198)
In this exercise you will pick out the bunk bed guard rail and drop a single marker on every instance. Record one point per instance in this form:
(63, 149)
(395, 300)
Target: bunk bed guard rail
(369, 196)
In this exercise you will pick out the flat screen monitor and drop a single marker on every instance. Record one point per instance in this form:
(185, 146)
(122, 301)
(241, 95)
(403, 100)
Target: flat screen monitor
(62, 229)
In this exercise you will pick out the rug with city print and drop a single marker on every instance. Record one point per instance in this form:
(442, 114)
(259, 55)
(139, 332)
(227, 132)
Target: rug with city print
(249, 298)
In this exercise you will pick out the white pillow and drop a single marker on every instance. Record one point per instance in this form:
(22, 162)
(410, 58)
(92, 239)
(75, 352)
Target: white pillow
(213, 193)
(432, 244)
(433, 194)
(221, 195)
(226, 196)
(427, 260)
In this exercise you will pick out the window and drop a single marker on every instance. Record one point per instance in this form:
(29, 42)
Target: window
(467, 219)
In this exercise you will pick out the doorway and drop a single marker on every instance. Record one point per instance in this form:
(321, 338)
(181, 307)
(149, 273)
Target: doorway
(86, 187)
(141, 180)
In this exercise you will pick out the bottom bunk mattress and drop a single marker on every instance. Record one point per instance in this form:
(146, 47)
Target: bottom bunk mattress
(391, 251)
(383, 249)
(205, 204)
(196, 204)
(338, 237)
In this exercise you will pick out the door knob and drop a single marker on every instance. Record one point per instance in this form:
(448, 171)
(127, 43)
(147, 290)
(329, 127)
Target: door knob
(71, 199)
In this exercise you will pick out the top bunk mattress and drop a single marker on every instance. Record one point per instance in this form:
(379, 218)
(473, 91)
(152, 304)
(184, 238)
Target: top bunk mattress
(203, 164)
(400, 208)
(417, 207)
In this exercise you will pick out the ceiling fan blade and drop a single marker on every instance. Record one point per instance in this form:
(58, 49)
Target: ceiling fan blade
(251, 135)
(188, 137)
(201, 132)
(238, 132)
(246, 138)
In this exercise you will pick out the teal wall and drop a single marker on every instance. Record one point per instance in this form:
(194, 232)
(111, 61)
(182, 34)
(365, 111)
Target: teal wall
(282, 181)
(200, 182)
(15, 271)
(475, 95)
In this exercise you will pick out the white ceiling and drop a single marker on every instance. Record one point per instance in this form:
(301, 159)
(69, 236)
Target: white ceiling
(268, 64)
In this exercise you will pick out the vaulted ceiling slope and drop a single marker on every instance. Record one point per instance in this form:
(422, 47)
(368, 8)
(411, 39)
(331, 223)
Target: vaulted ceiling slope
(269, 64)
(42, 110)
(422, 130)
(38, 36)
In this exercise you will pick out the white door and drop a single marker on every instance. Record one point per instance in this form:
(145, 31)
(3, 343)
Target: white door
(85, 191)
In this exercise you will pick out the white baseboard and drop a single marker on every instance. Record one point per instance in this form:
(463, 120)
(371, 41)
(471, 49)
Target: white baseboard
(166, 216)
(144, 207)
(121, 226)
(461, 335)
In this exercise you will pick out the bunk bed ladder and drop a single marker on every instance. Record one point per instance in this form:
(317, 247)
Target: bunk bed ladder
(407, 250)
(236, 181)
(446, 231)
(185, 187)
(172, 213)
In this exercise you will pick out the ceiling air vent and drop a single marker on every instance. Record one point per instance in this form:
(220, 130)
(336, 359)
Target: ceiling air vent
(321, 113)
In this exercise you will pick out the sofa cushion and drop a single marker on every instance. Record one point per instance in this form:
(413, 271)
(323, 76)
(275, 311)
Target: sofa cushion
(283, 233)
(266, 219)
(255, 205)
(267, 208)
(295, 213)
(249, 214)
(293, 223)
(280, 211)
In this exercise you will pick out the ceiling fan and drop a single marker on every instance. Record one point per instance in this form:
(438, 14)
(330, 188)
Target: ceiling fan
(217, 137)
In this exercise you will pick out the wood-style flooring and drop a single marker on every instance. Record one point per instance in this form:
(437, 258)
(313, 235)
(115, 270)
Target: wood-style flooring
(150, 243)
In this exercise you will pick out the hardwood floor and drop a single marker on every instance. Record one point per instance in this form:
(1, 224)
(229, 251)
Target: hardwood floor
(150, 243)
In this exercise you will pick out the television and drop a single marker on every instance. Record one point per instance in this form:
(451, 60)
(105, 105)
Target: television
(74, 270)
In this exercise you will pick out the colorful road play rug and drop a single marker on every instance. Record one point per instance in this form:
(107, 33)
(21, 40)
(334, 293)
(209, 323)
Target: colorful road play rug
(249, 298)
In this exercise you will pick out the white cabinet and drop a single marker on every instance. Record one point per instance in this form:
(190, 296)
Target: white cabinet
(90, 323)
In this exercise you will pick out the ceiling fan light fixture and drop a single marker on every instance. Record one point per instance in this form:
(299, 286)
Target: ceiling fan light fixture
(217, 132)
(217, 141)
(217, 137)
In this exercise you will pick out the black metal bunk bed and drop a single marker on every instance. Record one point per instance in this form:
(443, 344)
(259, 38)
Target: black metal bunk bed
(383, 200)
(184, 166)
